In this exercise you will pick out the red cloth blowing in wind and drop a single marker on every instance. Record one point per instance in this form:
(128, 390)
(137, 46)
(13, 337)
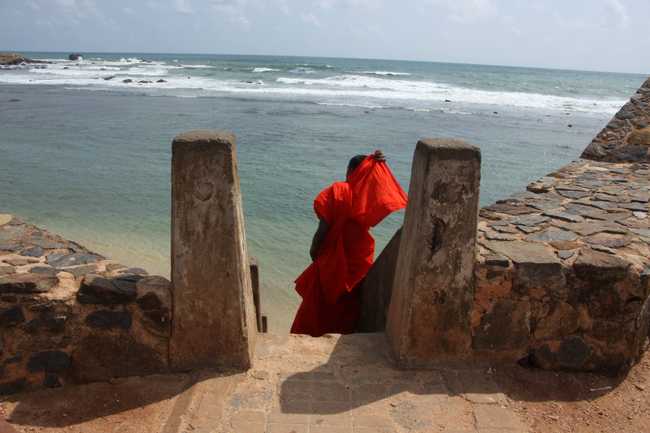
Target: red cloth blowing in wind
(330, 303)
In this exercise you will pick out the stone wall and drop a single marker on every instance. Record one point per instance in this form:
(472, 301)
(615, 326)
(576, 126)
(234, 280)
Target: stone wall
(561, 276)
(626, 138)
(68, 315)
(562, 270)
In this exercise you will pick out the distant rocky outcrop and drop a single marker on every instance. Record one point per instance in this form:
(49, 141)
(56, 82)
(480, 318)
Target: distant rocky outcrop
(74, 56)
(10, 59)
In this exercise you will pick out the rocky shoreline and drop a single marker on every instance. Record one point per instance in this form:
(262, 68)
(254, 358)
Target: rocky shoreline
(15, 59)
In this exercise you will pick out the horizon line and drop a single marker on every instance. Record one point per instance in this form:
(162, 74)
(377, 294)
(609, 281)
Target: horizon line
(555, 68)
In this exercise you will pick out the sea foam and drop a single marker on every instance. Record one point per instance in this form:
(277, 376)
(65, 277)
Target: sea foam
(367, 89)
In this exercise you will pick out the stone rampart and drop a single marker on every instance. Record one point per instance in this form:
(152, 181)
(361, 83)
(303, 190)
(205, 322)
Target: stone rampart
(626, 138)
(562, 270)
(69, 315)
(561, 275)
(556, 276)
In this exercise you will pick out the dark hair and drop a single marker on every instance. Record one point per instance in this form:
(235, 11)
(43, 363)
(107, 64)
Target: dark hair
(355, 161)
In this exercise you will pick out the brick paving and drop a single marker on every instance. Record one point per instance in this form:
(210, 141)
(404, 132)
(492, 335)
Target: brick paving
(348, 385)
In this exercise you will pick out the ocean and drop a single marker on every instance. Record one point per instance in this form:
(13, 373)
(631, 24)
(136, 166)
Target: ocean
(86, 153)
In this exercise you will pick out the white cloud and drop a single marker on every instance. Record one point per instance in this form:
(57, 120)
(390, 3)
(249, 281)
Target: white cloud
(364, 4)
(66, 3)
(233, 10)
(283, 7)
(619, 10)
(77, 10)
(33, 5)
(310, 18)
(183, 7)
(465, 11)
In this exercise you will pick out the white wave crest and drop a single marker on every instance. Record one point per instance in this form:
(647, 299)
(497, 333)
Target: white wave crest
(386, 73)
(302, 70)
(358, 90)
(197, 66)
(262, 70)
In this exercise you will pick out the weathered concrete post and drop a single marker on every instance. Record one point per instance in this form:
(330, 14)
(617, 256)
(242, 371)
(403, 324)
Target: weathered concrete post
(214, 320)
(428, 318)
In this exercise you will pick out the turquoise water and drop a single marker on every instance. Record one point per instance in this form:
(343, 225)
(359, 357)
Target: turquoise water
(90, 158)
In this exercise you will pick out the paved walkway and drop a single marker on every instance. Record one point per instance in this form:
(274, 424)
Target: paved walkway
(341, 385)
(347, 384)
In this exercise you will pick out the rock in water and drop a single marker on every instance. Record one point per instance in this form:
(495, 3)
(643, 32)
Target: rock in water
(10, 59)
(75, 56)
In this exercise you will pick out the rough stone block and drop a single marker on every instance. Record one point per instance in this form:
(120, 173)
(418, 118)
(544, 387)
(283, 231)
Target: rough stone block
(505, 327)
(101, 357)
(75, 259)
(640, 137)
(155, 303)
(48, 321)
(428, 317)
(96, 289)
(50, 362)
(562, 321)
(214, 317)
(535, 265)
(13, 387)
(106, 319)
(6, 270)
(11, 317)
(572, 353)
(600, 267)
(26, 283)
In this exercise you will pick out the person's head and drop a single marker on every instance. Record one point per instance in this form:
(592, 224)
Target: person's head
(355, 161)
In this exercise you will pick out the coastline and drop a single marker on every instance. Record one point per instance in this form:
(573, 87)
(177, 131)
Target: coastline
(99, 172)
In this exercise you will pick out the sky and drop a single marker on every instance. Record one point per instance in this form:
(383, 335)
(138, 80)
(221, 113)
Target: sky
(603, 35)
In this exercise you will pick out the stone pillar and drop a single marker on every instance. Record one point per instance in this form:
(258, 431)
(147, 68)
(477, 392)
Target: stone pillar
(213, 325)
(428, 318)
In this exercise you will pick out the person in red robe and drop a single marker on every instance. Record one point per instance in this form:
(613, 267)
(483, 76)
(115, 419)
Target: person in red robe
(343, 249)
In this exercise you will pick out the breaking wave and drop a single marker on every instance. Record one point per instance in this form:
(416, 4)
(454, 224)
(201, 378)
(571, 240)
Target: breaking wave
(367, 89)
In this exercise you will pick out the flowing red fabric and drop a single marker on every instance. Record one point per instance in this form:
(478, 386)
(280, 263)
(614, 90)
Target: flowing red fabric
(330, 303)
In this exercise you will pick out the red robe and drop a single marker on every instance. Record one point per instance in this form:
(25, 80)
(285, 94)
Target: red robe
(330, 303)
